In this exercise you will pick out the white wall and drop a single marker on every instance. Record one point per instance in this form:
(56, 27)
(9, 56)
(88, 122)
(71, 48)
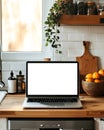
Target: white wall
(71, 38)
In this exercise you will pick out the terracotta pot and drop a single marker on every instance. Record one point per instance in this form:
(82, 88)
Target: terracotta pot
(47, 59)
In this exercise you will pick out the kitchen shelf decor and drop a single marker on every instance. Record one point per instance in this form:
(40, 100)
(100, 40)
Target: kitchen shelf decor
(66, 12)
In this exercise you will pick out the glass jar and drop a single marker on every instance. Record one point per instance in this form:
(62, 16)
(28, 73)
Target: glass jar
(100, 9)
(20, 83)
(82, 7)
(91, 8)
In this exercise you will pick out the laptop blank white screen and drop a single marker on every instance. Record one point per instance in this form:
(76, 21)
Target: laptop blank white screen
(52, 78)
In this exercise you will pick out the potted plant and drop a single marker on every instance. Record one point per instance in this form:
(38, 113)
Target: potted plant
(52, 24)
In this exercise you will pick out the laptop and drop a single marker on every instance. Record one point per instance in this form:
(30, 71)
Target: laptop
(52, 84)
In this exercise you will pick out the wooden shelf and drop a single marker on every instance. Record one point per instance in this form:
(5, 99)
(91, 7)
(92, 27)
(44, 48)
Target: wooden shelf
(82, 20)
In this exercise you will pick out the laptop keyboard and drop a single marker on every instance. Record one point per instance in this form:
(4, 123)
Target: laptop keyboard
(52, 99)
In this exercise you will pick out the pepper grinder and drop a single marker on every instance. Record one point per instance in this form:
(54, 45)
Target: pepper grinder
(12, 83)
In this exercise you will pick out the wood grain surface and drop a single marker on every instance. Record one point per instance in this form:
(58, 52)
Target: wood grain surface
(82, 20)
(12, 107)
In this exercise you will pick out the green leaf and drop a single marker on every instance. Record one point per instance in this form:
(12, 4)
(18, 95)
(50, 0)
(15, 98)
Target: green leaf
(60, 52)
(58, 31)
(46, 44)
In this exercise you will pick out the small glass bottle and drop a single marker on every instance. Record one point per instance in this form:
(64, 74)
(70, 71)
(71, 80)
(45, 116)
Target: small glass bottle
(92, 9)
(82, 7)
(20, 83)
(12, 83)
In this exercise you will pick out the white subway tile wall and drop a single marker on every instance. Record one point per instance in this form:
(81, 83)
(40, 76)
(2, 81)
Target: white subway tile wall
(72, 46)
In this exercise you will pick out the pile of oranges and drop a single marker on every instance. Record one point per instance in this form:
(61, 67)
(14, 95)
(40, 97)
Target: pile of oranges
(96, 77)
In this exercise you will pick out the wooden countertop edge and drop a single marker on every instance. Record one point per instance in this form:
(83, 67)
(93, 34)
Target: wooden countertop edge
(52, 114)
(12, 108)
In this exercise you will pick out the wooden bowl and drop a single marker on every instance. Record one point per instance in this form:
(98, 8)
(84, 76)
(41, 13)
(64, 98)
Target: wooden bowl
(93, 89)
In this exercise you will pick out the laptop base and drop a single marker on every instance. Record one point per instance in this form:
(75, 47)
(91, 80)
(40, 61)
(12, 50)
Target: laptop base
(38, 105)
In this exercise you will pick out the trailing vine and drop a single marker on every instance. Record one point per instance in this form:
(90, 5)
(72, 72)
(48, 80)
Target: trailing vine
(52, 24)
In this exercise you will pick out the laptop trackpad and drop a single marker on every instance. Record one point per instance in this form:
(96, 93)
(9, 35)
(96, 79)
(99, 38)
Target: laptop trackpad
(53, 103)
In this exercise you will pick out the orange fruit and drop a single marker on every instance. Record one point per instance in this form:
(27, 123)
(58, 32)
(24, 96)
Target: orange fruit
(101, 72)
(89, 80)
(88, 76)
(97, 81)
(95, 75)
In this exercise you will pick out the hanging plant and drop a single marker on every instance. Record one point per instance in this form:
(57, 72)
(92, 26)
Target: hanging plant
(52, 24)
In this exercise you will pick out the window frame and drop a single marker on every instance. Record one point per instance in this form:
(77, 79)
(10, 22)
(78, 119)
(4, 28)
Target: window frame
(38, 55)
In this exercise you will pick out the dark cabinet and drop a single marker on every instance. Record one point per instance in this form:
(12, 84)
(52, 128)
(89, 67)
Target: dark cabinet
(50, 124)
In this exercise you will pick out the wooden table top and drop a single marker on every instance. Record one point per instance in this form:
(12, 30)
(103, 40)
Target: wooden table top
(12, 107)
